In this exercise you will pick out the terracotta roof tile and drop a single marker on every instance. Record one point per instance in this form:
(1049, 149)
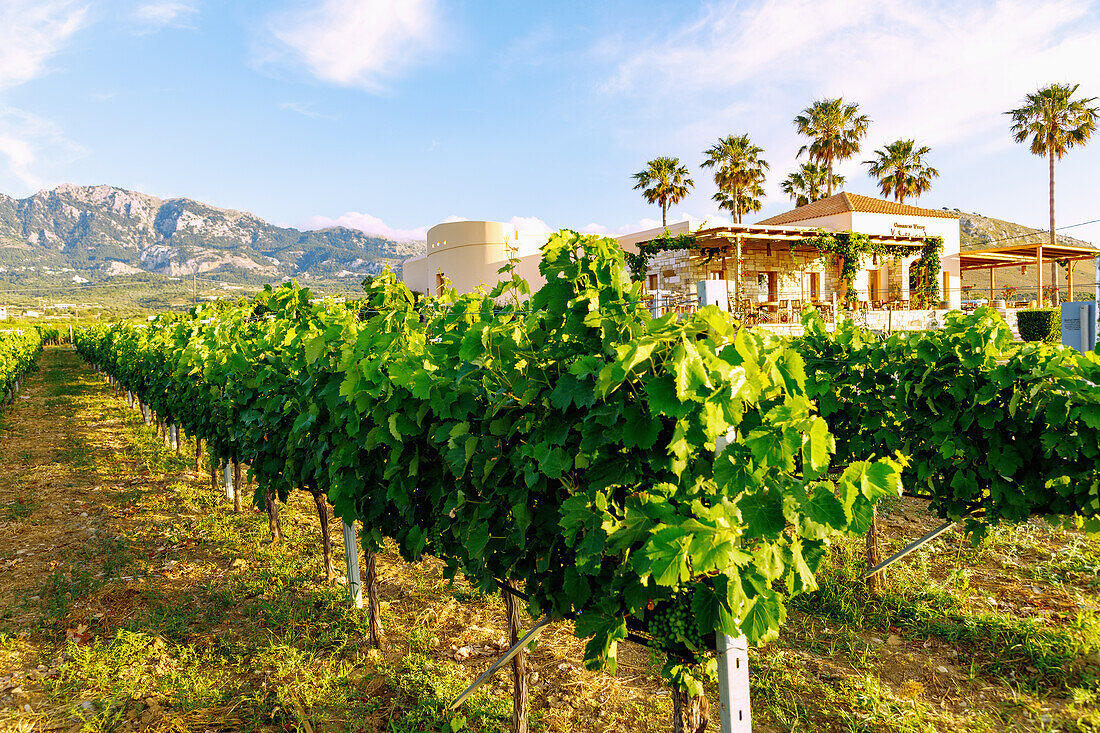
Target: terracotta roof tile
(840, 202)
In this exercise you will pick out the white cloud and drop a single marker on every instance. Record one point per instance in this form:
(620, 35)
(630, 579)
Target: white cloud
(368, 224)
(529, 226)
(162, 13)
(28, 143)
(356, 43)
(306, 110)
(695, 222)
(607, 231)
(525, 226)
(941, 72)
(32, 31)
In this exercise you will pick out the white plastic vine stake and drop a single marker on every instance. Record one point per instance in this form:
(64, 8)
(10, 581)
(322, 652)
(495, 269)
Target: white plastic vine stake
(229, 488)
(174, 437)
(71, 335)
(734, 710)
(145, 413)
(351, 550)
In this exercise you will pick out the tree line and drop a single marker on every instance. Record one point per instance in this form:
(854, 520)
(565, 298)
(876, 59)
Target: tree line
(1051, 121)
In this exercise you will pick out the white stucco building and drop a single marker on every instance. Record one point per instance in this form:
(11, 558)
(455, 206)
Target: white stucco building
(852, 212)
(469, 254)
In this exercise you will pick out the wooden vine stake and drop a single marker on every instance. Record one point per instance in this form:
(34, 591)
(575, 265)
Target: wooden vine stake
(198, 453)
(519, 663)
(237, 486)
(374, 605)
(326, 536)
(874, 583)
(273, 519)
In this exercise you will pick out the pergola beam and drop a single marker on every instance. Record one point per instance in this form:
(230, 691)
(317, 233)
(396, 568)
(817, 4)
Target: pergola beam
(966, 264)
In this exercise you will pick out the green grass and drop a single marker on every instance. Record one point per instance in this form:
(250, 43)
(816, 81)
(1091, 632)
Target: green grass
(206, 642)
(17, 509)
(1004, 646)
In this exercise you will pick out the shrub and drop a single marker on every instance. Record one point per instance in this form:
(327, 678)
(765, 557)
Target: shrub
(1041, 324)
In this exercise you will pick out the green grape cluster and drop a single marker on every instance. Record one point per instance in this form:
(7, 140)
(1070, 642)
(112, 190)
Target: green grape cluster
(672, 625)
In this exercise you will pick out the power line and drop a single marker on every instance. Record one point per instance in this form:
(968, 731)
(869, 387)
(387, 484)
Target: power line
(1042, 231)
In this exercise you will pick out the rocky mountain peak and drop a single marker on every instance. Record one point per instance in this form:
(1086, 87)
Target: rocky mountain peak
(108, 230)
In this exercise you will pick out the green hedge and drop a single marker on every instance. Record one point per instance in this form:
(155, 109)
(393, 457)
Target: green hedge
(1041, 324)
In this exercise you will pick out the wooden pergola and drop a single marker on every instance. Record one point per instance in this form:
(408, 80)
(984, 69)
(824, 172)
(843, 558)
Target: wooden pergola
(735, 239)
(1021, 255)
(748, 233)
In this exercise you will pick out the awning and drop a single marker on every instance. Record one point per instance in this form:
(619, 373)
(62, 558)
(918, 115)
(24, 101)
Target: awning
(1015, 255)
(749, 233)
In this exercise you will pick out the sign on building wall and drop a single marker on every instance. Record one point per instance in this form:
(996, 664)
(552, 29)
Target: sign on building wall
(907, 229)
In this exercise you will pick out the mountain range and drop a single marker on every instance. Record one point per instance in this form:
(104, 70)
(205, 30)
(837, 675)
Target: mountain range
(98, 231)
(92, 233)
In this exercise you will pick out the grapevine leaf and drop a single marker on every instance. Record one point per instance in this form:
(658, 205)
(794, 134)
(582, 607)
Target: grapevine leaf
(605, 632)
(762, 514)
(762, 618)
(667, 555)
(824, 508)
(577, 589)
(314, 348)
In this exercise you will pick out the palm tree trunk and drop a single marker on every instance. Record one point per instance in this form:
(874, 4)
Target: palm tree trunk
(829, 177)
(664, 214)
(1053, 264)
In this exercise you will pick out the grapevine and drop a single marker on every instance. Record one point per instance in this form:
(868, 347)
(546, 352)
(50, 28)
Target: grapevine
(562, 440)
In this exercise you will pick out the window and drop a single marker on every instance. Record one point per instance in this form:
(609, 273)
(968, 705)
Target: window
(717, 274)
(652, 282)
(873, 293)
(815, 286)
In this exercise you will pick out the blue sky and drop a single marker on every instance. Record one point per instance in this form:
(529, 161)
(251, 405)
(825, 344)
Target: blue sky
(395, 116)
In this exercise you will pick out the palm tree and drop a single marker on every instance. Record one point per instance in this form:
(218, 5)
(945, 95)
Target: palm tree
(834, 129)
(900, 170)
(1054, 122)
(808, 183)
(665, 182)
(739, 176)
